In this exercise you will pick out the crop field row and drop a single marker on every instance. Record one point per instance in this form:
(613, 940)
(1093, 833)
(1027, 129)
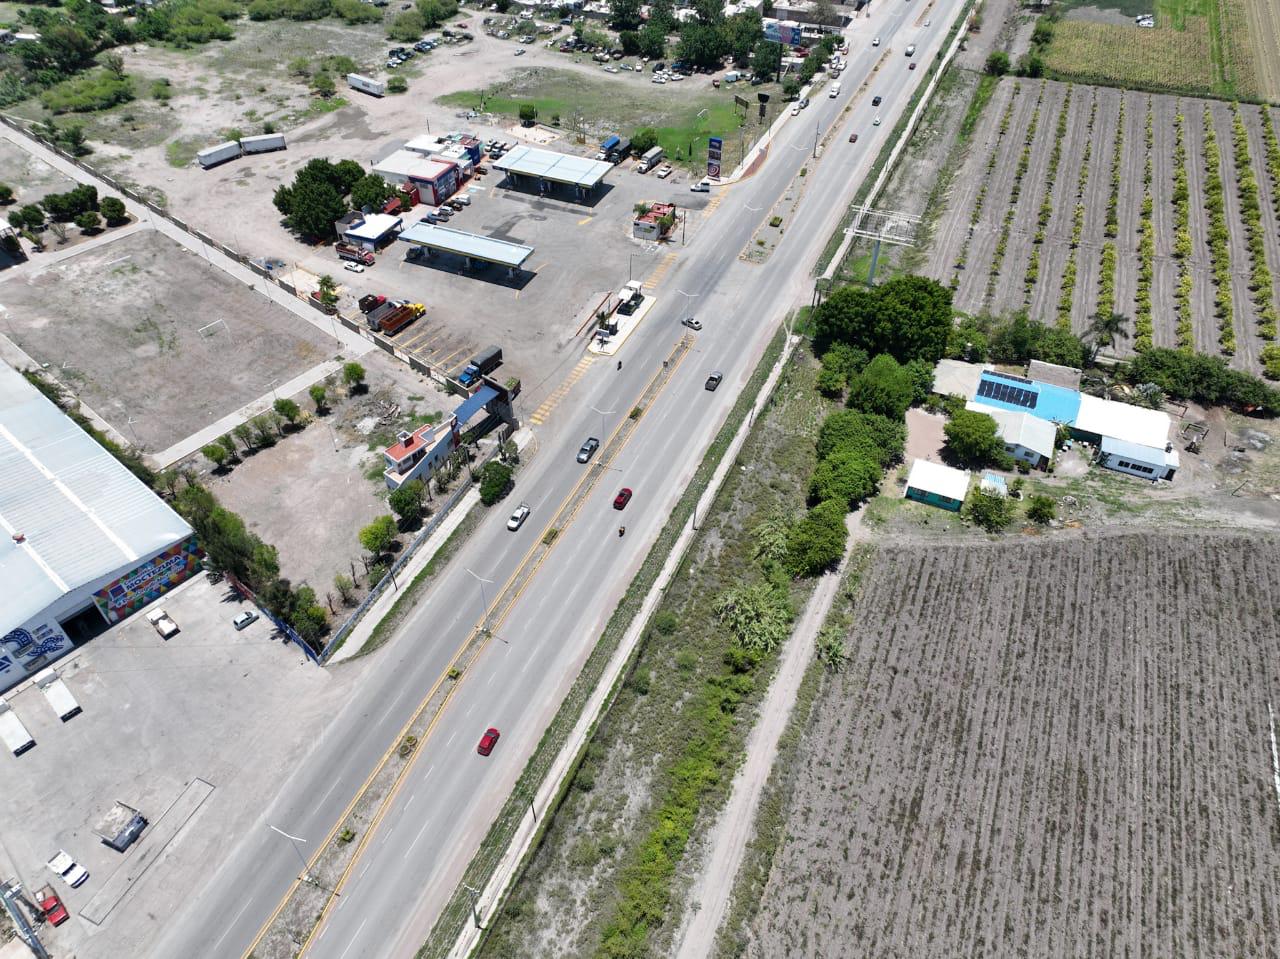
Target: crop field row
(1042, 749)
(1074, 201)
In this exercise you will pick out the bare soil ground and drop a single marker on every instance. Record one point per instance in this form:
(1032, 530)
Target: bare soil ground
(121, 325)
(1043, 749)
(1009, 293)
(311, 493)
(32, 179)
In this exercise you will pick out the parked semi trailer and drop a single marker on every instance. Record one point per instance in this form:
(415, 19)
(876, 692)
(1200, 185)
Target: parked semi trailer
(263, 143)
(212, 156)
(366, 85)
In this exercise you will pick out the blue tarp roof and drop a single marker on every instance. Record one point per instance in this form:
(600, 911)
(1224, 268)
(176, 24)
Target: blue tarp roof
(1020, 395)
(473, 404)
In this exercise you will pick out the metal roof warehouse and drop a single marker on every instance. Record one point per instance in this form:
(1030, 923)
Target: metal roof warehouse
(469, 245)
(579, 172)
(85, 542)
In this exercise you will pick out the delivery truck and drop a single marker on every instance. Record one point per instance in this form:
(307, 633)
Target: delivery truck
(650, 160)
(374, 88)
(212, 156)
(486, 361)
(264, 143)
(15, 735)
(59, 696)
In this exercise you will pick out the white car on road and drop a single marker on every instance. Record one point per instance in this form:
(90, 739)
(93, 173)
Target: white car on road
(519, 516)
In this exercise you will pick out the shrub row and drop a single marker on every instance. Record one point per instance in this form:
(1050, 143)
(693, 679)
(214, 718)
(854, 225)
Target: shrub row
(1107, 279)
(1142, 324)
(1069, 272)
(979, 201)
(1251, 214)
(1024, 161)
(1219, 254)
(1046, 204)
(1182, 233)
(1273, 157)
(1113, 198)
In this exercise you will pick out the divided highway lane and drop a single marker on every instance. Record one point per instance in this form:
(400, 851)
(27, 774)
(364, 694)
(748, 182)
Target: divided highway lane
(451, 795)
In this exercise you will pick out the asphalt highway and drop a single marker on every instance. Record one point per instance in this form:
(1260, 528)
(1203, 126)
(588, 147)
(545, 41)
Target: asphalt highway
(436, 821)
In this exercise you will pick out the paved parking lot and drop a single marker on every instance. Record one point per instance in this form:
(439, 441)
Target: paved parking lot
(582, 251)
(211, 705)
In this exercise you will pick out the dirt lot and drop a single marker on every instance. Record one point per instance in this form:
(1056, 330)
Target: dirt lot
(31, 179)
(311, 493)
(121, 325)
(966, 253)
(1042, 751)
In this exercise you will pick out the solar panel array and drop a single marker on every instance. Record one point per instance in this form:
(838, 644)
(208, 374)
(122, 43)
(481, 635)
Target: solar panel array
(1007, 393)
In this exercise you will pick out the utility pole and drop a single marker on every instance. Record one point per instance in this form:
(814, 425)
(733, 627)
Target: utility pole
(475, 909)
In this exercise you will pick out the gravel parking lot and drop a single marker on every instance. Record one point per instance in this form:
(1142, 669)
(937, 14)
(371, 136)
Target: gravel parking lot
(158, 716)
(154, 339)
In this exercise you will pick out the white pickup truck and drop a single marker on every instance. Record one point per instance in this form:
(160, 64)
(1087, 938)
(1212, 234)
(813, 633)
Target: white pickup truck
(165, 626)
(14, 734)
(71, 871)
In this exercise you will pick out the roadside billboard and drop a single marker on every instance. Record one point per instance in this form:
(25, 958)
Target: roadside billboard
(715, 149)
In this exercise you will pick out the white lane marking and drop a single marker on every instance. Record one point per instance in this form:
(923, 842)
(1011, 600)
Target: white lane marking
(353, 941)
(492, 677)
(409, 851)
(327, 793)
(387, 713)
(450, 741)
(468, 712)
(525, 667)
(410, 802)
(231, 925)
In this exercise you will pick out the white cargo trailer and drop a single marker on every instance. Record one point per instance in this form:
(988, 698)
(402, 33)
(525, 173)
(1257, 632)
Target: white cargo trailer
(14, 734)
(219, 154)
(264, 143)
(375, 87)
(59, 696)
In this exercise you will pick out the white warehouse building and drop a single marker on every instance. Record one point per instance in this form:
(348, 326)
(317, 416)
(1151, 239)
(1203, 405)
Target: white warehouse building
(85, 542)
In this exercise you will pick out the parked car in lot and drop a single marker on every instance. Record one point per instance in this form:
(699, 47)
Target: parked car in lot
(702, 186)
(165, 626)
(519, 516)
(71, 871)
(664, 171)
(429, 218)
(713, 381)
(622, 499)
(488, 741)
(55, 913)
(588, 449)
(244, 619)
(353, 267)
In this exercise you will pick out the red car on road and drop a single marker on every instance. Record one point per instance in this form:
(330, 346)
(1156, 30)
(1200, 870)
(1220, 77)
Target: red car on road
(488, 741)
(622, 499)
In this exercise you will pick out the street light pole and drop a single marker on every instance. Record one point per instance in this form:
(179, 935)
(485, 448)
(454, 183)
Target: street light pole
(293, 841)
(603, 414)
(484, 602)
(475, 909)
(689, 297)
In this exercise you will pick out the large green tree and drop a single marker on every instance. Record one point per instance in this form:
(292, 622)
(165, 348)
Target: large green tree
(908, 317)
(851, 430)
(314, 207)
(847, 475)
(371, 191)
(973, 440)
(884, 386)
(625, 14)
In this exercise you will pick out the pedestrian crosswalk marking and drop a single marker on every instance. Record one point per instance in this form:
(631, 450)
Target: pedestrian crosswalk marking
(551, 402)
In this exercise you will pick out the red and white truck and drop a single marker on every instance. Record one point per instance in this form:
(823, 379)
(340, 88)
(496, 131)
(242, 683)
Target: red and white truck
(353, 253)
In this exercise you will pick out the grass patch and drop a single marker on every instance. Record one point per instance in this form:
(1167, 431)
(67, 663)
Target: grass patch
(616, 105)
(478, 872)
(182, 152)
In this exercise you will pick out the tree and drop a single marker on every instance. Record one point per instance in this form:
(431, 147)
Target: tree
(998, 63)
(346, 588)
(790, 88)
(407, 502)
(992, 513)
(215, 453)
(328, 290)
(1106, 328)
(528, 114)
(701, 44)
(228, 443)
(397, 85)
(766, 59)
(299, 67)
(378, 535)
(74, 139)
(317, 391)
(847, 475)
(436, 12)
(288, 409)
(877, 437)
(114, 64)
(6, 194)
(407, 27)
(651, 41)
(353, 376)
(1041, 509)
(816, 542)
(973, 440)
(264, 429)
(29, 217)
(244, 433)
(741, 34)
(1031, 65)
(908, 317)
(113, 209)
(314, 208)
(88, 221)
(662, 15)
(644, 140)
(884, 387)
(322, 84)
(625, 14)
(495, 481)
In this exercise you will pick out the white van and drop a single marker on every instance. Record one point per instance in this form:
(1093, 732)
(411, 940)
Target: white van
(834, 91)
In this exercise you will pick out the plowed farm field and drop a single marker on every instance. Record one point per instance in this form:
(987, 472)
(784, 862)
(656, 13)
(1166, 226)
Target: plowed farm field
(1075, 200)
(1044, 749)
